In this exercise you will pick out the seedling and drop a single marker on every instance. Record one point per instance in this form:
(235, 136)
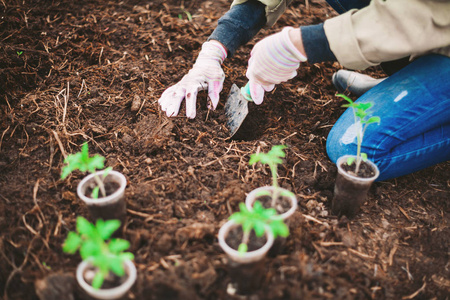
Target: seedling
(272, 158)
(92, 243)
(361, 117)
(81, 161)
(257, 220)
(19, 53)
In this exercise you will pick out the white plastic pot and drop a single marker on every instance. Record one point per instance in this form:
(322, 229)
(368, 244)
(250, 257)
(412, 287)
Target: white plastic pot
(256, 193)
(248, 257)
(106, 294)
(112, 206)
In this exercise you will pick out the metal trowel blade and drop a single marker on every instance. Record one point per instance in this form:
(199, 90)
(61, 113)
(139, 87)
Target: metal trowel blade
(236, 109)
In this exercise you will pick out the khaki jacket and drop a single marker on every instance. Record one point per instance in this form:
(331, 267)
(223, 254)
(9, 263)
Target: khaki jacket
(383, 31)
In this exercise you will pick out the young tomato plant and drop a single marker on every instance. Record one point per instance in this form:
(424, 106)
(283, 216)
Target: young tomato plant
(81, 161)
(272, 158)
(257, 220)
(360, 114)
(92, 243)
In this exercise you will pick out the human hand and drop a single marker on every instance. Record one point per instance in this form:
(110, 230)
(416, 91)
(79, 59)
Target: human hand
(274, 59)
(206, 73)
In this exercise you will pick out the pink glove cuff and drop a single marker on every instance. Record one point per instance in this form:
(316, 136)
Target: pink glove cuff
(213, 50)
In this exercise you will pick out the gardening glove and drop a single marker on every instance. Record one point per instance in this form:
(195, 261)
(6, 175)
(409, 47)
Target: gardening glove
(274, 59)
(206, 73)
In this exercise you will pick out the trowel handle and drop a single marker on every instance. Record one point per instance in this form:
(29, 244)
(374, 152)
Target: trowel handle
(245, 91)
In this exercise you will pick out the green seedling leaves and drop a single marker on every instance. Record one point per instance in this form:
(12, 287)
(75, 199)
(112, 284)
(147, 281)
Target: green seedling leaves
(362, 116)
(107, 228)
(257, 220)
(82, 162)
(72, 243)
(117, 246)
(272, 157)
(350, 160)
(94, 244)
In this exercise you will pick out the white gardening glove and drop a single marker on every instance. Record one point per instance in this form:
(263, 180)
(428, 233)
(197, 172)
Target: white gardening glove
(274, 59)
(206, 73)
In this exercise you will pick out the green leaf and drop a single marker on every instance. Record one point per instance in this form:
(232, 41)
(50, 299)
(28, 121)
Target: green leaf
(94, 163)
(107, 171)
(350, 160)
(84, 227)
(90, 249)
(107, 228)
(345, 97)
(373, 120)
(364, 156)
(98, 280)
(127, 256)
(72, 243)
(279, 228)
(254, 158)
(116, 266)
(118, 245)
(95, 191)
(259, 228)
(237, 217)
(242, 249)
(278, 151)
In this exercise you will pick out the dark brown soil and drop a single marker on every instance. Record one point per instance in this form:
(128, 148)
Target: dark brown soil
(365, 170)
(91, 70)
(234, 239)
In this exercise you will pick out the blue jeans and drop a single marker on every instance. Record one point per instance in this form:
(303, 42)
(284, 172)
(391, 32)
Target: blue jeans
(414, 132)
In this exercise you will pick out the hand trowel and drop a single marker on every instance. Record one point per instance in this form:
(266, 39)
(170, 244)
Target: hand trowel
(236, 107)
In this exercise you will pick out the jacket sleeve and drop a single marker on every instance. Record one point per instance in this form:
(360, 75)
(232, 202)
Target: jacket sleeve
(389, 29)
(274, 9)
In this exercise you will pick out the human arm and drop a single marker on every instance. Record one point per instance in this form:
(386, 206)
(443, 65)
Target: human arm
(389, 30)
(240, 24)
(382, 32)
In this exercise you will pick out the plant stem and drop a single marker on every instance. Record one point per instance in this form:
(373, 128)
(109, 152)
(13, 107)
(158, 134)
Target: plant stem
(246, 237)
(100, 184)
(273, 169)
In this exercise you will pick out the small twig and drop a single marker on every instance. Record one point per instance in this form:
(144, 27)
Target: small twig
(309, 218)
(391, 254)
(416, 292)
(3, 134)
(61, 147)
(362, 255)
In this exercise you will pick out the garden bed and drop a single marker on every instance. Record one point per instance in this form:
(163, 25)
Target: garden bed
(75, 71)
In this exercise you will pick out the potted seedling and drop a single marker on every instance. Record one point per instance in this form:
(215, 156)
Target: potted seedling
(246, 238)
(356, 173)
(283, 200)
(103, 190)
(106, 271)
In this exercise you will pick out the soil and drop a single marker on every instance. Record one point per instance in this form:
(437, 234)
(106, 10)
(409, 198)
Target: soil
(111, 281)
(90, 70)
(110, 188)
(282, 204)
(234, 239)
(365, 170)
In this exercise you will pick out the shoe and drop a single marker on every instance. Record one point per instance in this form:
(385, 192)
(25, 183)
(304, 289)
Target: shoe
(355, 83)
